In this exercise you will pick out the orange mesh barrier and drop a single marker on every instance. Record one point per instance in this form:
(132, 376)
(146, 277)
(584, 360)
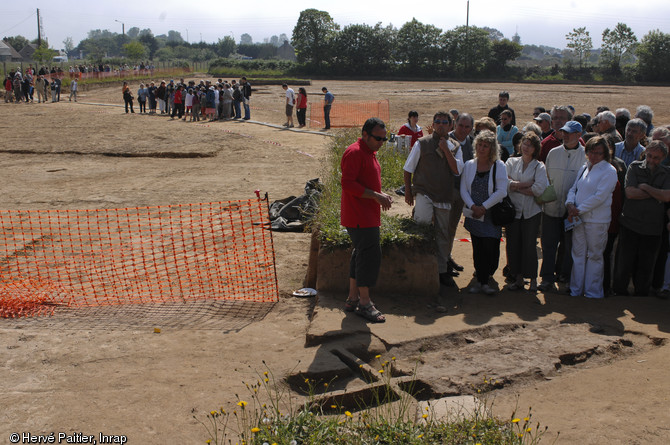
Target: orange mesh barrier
(349, 114)
(80, 258)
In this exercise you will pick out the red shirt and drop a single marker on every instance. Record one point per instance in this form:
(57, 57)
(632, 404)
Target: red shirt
(302, 101)
(549, 143)
(415, 136)
(360, 171)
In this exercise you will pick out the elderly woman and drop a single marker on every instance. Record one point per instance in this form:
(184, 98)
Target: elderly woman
(483, 185)
(589, 204)
(527, 179)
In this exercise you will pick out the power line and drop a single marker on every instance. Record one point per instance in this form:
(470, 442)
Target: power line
(20, 23)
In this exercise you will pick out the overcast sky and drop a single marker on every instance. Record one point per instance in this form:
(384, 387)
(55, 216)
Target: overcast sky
(539, 22)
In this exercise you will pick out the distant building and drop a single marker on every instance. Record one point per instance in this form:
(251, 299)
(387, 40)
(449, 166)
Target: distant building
(27, 51)
(286, 52)
(9, 54)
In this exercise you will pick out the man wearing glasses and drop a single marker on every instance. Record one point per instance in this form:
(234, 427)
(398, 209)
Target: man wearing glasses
(429, 173)
(362, 198)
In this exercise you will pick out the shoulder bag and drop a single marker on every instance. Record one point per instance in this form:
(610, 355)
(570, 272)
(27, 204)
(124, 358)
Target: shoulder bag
(504, 212)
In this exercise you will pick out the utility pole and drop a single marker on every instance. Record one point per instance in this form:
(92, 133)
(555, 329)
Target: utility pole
(39, 27)
(123, 28)
(467, 40)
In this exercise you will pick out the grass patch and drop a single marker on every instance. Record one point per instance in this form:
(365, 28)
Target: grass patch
(394, 230)
(268, 416)
(66, 81)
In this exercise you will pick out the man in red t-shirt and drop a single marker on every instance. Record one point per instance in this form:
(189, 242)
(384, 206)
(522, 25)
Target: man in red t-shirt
(360, 213)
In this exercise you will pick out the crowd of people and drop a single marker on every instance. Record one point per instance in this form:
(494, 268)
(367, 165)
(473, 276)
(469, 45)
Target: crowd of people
(190, 101)
(23, 87)
(595, 190)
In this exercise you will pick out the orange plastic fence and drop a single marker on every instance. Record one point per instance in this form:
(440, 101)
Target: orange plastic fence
(80, 258)
(349, 114)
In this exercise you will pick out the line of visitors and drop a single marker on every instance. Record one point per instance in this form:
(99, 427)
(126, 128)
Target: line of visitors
(191, 101)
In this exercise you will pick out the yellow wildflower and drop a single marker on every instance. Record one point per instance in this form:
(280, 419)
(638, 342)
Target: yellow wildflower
(255, 429)
(348, 414)
(242, 403)
(515, 420)
(378, 356)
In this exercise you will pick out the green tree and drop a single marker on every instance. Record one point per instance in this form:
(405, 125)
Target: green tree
(150, 43)
(166, 53)
(313, 35)
(466, 50)
(580, 43)
(617, 43)
(225, 46)
(174, 37)
(92, 49)
(43, 53)
(494, 34)
(68, 45)
(245, 39)
(16, 42)
(135, 51)
(363, 49)
(502, 51)
(133, 32)
(418, 45)
(654, 56)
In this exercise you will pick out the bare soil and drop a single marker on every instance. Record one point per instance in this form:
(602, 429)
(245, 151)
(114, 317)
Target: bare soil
(595, 371)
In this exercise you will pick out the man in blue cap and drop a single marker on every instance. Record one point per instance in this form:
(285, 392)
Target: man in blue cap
(563, 163)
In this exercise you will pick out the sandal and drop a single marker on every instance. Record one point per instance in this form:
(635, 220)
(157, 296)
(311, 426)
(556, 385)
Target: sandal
(370, 313)
(350, 305)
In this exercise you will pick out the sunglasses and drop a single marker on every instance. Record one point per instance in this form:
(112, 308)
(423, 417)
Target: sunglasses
(379, 138)
(446, 121)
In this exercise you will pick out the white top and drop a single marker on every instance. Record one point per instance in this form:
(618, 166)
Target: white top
(537, 174)
(562, 168)
(189, 100)
(592, 192)
(290, 96)
(468, 175)
(413, 160)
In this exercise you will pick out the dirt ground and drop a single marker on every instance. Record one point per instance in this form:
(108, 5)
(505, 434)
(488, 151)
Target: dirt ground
(106, 372)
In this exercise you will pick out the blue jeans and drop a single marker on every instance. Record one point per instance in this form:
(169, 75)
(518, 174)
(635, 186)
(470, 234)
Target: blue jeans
(326, 115)
(553, 234)
(238, 112)
(247, 111)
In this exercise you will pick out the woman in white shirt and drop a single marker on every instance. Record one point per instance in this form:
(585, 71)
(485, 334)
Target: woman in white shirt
(589, 206)
(483, 185)
(527, 179)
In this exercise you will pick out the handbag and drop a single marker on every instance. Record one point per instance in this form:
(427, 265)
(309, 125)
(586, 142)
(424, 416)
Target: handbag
(504, 212)
(548, 195)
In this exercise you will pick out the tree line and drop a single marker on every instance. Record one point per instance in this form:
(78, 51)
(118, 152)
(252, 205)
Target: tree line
(415, 49)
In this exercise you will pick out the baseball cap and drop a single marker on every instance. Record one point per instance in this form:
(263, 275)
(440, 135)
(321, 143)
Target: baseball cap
(543, 117)
(572, 127)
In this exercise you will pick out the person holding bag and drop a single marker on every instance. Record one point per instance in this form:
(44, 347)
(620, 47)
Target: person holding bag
(480, 192)
(527, 180)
